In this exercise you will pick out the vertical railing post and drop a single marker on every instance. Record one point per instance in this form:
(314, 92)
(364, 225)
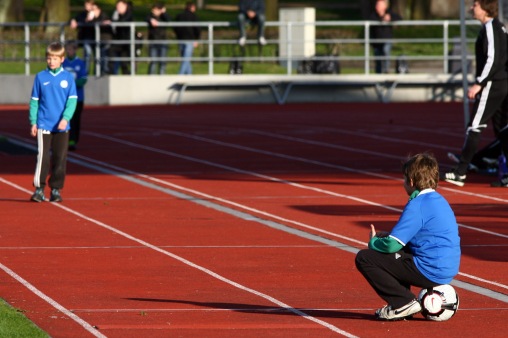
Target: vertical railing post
(289, 47)
(210, 49)
(446, 54)
(132, 53)
(27, 48)
(367, 48)
(97, 58)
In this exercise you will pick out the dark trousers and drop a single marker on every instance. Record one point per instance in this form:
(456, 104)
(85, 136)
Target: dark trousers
(391, 275)
(488, 107)
(52, 156)
(120, 51)
(76, 123)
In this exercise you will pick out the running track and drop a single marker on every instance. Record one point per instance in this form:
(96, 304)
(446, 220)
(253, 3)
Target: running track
(228, 220)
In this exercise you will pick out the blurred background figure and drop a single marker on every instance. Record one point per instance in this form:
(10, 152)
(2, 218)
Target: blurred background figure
(383, 14)
(159, 48)
(251, 12)
(84, 24)
(122, 34)
(187, 36)
(74, 65)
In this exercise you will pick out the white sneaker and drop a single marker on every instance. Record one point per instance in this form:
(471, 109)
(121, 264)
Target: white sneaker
(387, 313)
(242, 41)
(454, 178)
(262, 41)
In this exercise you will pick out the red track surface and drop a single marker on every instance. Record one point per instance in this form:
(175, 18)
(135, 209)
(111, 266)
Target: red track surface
(227, 221)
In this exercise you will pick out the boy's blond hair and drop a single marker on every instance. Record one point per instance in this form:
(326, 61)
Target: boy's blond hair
(423, 170)
(55, 49)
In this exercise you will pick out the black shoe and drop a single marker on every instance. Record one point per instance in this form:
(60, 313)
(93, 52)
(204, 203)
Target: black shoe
(454, 178)
(456, 159)
(502, 183)
(72, 145)
(55, 196)
(38, 195)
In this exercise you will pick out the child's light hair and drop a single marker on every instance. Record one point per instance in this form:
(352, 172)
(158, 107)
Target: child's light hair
(423, 170)
(55, 49)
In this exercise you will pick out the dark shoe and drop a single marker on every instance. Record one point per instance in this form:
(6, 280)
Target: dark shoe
(38, 195)
(456, 159)
(72, 145)
(454, 178)
(502, 183)
(406, 311)
(55, 196)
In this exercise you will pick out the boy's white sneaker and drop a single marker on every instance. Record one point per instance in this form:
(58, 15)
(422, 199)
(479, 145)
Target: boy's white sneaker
(408, 310)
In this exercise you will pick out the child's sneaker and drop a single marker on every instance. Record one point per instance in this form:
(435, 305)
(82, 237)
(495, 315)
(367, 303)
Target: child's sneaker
(38, 195)
(55, 196)
(242, 41)
(454, 178)
(408, 310)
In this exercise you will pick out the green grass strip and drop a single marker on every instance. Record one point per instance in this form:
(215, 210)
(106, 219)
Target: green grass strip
(14, 324)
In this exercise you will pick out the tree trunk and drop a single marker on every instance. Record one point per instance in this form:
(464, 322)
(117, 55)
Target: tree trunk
(420, 9)
(57, 11)
(200, 4)
(4, 10)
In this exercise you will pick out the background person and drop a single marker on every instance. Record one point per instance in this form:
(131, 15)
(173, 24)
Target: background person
(383, 14)
(187, 36)
(252, 12)
(106, 34)
(122, 34)
(157, 49)
(83, 23)
(489, 90)
(74, 65)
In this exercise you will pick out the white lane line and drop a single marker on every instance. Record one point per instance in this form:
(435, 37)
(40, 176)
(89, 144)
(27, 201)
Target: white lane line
(51, 302)
(191, 264)
(209, 197)
(314, 162)
(378, 154)
(327, 192)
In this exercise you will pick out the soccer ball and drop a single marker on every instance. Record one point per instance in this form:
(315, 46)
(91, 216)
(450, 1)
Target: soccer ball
(439, 303)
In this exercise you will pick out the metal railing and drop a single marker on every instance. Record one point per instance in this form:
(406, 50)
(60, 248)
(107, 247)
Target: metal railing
(26, 44)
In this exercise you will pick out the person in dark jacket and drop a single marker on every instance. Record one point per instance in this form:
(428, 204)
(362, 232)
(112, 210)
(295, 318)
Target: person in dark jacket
(122, 34)
(253, 12)
(83, 23)
(157, 33)
(488, 91)
(187, 36)
(382, 31)
(105, 36)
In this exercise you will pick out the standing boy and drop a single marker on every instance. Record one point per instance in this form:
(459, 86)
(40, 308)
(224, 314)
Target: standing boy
(74, 65)
(423, 249)
(52, 105)
(489, 89)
